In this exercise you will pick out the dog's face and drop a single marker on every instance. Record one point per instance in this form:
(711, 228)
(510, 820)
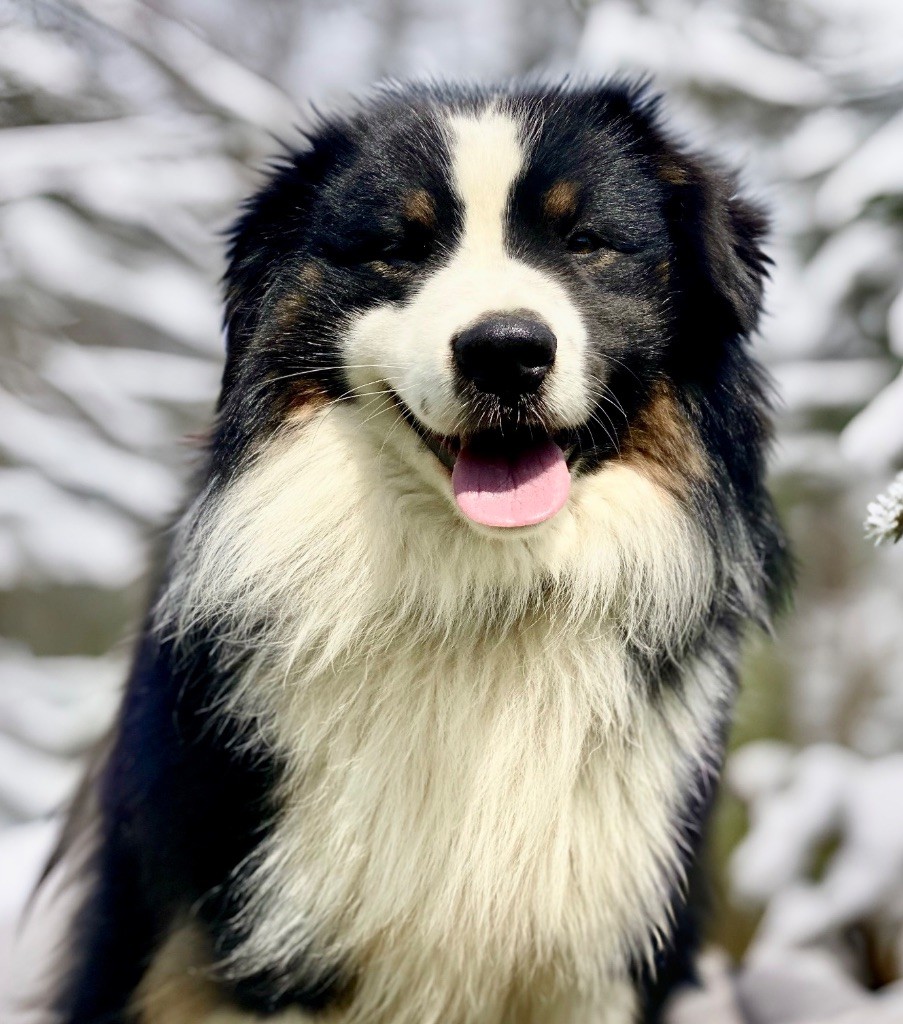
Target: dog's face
(512, 290)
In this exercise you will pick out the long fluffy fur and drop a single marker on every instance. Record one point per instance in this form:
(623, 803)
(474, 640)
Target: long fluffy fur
(511, 761)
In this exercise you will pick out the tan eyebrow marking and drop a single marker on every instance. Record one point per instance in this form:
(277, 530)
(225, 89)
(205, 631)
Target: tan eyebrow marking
(420, 208)
(673, 174)
(310, 275)
(561, 200)
(605, 259)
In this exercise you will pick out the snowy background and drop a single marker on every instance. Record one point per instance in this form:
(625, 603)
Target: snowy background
(129, 131)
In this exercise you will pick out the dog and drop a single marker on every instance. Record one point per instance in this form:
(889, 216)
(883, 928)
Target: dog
(426, 718)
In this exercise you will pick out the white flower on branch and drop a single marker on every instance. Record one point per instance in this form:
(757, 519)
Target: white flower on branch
(884, 522)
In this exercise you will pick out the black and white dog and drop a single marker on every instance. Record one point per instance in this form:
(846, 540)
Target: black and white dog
(425, 720)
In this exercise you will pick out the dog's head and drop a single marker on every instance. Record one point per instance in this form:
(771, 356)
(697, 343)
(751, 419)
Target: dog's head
(512, 288)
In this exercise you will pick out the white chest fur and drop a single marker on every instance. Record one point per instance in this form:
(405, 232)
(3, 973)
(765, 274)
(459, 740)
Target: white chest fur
(480, 804)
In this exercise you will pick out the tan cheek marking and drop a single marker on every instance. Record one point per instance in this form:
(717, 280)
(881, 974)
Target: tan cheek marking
(673, 174)
(280, 317)
(663, 445)
(175, 989)
(303, 395)
(560, 202)
(420, 208)
(663, 270)
(304, 400)
(285, 315)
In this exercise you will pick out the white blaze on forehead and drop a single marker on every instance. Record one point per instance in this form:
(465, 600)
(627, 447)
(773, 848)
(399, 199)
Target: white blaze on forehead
(487, 157)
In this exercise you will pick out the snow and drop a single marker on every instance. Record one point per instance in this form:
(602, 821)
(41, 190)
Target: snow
(806, 986)
(802, 986)
(895, 326)
(819, 142)
(705, 42)
(108, 373)
(59, 254)
(874, 437)
(872, 170)
(67, 453)
(223, 84)
(45, 158)
(821, 793)
(50, 536)
(40, 62)
(58, 705)
(830, 383)
(23, 849)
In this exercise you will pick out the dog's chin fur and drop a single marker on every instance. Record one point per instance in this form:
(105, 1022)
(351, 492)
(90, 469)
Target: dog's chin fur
(477, 784)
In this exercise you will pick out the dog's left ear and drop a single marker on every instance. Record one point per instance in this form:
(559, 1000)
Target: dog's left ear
(717, 234)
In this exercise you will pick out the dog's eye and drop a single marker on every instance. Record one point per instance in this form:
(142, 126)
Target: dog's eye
(403, 252)
(395, 251)
(583, 241)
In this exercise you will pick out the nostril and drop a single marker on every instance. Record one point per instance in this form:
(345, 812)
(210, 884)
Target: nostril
(537, 352)
(506, 354)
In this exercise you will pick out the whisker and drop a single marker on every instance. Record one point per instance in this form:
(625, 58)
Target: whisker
(387, 404)
(612, 437)
(622, 364)
(385, 440)
(599, 389)
(330, 369)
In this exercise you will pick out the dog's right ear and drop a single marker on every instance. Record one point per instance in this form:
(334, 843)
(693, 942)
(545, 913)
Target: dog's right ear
(273, 229)
(269, 231)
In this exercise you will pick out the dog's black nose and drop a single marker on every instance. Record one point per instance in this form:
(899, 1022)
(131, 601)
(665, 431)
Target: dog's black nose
(505, 355)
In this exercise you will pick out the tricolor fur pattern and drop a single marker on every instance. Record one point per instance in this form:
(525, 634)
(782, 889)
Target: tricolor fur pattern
(380, 760)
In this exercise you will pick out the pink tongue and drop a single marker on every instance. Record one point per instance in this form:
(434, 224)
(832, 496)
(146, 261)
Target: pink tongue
(495, 490)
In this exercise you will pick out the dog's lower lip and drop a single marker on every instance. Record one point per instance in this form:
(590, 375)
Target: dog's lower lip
(445, 448)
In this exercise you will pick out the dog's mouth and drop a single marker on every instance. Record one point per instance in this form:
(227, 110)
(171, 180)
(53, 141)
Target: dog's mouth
(507, 476)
